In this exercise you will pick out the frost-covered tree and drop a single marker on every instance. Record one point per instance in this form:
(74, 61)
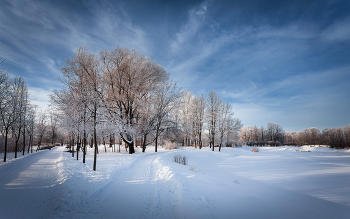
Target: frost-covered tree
(20, 92)
(130, 78)
(53, 125)
(167, 96)
(30, 124)
(232, 132)
(214, 103)
(41, 127)
(224, 115)
(186, 118)
(8, 111)
(274, 132)
(198, 110)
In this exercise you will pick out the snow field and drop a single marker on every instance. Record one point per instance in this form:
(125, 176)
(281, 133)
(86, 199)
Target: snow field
(234, 183)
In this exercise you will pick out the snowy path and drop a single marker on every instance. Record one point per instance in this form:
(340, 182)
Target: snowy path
(31, 185)
(143, 189)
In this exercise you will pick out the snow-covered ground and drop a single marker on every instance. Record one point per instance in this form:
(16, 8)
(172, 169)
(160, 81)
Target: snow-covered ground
(276, 182)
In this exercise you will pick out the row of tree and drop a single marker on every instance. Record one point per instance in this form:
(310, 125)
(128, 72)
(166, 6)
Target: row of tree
(273, 134)
(17, 114)
(206, 120)
(124, 94)
(335, 138)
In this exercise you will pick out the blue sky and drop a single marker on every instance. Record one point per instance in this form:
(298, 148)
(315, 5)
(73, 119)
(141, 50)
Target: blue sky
(286, 62)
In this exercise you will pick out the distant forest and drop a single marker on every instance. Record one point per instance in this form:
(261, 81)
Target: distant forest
(274, 135)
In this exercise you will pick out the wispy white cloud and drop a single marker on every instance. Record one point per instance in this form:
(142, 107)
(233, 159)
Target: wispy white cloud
(40, 97)
(303, 99)
(338, 31)
(196, 19)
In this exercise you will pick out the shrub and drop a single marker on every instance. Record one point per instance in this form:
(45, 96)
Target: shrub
(180, 159)
(255, 150)
(170, 145)
(192, 168)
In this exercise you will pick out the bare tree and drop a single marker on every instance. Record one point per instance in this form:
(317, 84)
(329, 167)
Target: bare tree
(20, 93)
(274, 132)
(41, 127)
(224, 115)
(30, 124)
(53, 124)
(232, 133)
(214, 102)
(8, 107)
(166, 96)
(198, 109)
(130, 78)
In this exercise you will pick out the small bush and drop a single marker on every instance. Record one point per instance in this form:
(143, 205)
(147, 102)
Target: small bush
(192, 168)
(170, 145)
(255, 150)
(180, 159)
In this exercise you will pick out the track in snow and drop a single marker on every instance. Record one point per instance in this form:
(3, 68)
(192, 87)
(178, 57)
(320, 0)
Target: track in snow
(144, 189)
(31, 185)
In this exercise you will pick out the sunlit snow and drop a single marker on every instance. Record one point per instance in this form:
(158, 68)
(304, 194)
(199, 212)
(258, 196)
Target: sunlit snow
(276, 182)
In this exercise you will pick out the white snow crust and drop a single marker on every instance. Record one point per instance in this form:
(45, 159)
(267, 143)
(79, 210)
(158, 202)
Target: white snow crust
(276, 182)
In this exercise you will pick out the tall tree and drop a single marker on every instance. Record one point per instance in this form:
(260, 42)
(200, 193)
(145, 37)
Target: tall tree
(214, 102)
(30, 122)
(166, 96)
(198, 109)
(130, 78)
(8, 102)
(20, 93)
(41, 127)
(186, 116)
(224, 115)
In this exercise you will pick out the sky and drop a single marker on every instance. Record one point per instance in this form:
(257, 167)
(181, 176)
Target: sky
(286, 62)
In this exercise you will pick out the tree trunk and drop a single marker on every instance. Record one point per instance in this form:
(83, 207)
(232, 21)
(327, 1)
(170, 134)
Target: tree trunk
(129, 143)
(5, 152)
(114, 142)
(221, 140)
(78, 146)
(95, 139)
(73, 145)
(131, 147)
(213, 142)
(31, 144)
(24, 140)
(16, 147)
(84, 146)
(156, 148)
(144, 143)
(104, 144)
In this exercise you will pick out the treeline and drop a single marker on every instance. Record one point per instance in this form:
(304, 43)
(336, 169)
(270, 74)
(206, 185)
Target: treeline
(17, 114)
(335, 138)
(274, 135)
(205, 121)
(122, 94)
